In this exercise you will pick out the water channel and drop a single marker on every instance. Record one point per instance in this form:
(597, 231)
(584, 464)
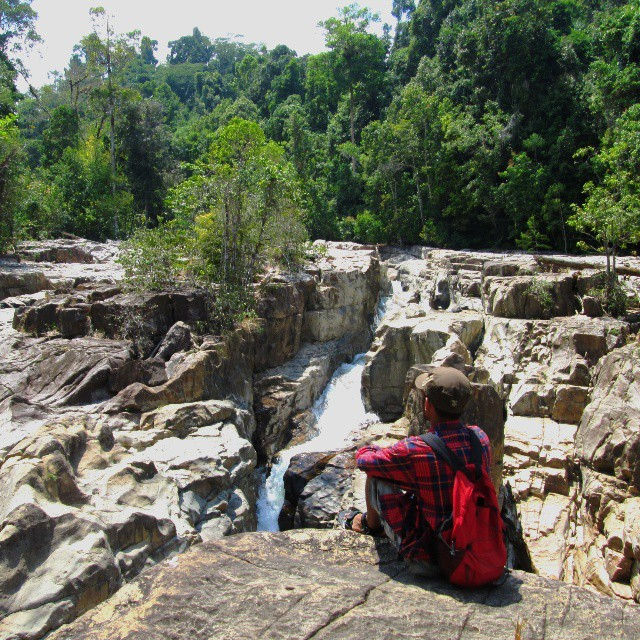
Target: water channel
(339, 412)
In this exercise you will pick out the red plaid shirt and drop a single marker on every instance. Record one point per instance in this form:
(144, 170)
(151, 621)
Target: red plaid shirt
(427, 483)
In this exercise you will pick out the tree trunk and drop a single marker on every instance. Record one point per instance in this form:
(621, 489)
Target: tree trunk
(416, 177)
(112, 132)
(353, 127)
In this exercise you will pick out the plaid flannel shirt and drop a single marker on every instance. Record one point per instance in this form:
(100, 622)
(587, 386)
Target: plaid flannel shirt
(427, 484)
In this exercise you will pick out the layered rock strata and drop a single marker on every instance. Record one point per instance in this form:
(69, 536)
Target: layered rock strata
(128, 435)
(558, 396)
(333, 584)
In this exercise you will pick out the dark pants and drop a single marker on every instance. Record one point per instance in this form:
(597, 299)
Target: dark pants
(379, 488)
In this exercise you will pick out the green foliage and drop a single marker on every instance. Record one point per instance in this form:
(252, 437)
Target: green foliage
(63, 131)
(541, 290)
(158, 259)
(256, 215)
(611, 212)
(17, 35)
(9, 179)
(194, 48)
(237, 213)
(76, 195)
(464, 130)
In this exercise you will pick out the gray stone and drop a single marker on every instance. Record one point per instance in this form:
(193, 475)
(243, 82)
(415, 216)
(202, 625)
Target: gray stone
(192, 505)
(178, 338)
(529, 296)
(321, 498)
(337, 584)
(62, 372)
(19, 279)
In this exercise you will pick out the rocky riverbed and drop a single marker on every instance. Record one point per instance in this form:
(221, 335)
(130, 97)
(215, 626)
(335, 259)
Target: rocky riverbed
(127, 436)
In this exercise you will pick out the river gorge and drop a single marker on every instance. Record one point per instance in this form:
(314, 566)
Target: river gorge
(132, 444)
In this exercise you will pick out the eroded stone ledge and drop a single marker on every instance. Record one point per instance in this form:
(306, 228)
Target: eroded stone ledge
(337, 584)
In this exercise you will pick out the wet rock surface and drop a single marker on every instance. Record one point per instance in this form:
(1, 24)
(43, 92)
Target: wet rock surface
(337, 584)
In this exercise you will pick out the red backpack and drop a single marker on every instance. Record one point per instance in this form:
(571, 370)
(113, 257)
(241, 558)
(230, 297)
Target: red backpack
(470, 543)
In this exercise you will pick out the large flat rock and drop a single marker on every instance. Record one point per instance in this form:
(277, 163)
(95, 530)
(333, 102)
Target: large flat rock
(336, 584)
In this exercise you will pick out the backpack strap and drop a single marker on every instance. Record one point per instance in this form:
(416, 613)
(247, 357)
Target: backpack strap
(476, 452)
(443, 452)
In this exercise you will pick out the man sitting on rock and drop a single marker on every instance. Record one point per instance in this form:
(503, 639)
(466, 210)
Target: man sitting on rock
(409, 490)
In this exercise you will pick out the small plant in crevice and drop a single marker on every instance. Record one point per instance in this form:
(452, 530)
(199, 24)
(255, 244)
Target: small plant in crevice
(131, 327)
(541, 290)
(612, 297)
(519, 626)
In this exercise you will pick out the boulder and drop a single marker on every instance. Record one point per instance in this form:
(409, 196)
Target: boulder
(302, 468)
(544, 367)
(529, 296)
(19, 279)
(344, 299)
(221, 369)
(403, 341)
(185, 419)
(212, 459)
(146, 318)
(506, 268)
(62, 372)
(59, 250)
(177, 339)
(357, 586)
(608, 440)
(280, 310)
(56, 567)
(440, 297)
(150, 372)
(321, 499)
(541, 468)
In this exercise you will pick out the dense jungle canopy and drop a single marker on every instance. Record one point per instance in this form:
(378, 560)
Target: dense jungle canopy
(478, 123)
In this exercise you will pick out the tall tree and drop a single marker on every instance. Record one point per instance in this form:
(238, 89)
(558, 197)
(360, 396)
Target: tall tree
(17, 34)
(358, 57)
(105, 55)
(194, 48)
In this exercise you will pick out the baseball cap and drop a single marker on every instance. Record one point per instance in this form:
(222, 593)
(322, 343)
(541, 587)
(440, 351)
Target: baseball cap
(447, 388)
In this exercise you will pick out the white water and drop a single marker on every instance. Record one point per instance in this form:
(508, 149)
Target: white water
(339, 412)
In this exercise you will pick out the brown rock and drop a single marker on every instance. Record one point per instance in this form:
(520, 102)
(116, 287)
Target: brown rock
(150, 372)
(357, 587)
(618, 567)
(529, 296)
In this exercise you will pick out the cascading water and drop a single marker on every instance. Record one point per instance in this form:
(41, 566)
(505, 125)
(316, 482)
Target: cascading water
(339, 412)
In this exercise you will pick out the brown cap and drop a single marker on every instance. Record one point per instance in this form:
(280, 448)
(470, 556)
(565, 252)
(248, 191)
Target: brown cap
(447, 388)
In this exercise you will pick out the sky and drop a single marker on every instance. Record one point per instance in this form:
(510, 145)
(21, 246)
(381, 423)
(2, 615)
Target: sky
(62, 23)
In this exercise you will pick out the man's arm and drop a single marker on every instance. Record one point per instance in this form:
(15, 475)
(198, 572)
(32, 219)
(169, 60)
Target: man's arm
(391, 464)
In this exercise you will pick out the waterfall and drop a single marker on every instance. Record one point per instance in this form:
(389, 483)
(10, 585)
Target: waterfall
(339, 411)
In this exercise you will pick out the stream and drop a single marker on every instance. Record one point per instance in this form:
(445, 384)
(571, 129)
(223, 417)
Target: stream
(339, 412)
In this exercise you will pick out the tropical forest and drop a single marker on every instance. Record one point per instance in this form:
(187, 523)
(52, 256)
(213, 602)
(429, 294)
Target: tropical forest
(468, 123)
